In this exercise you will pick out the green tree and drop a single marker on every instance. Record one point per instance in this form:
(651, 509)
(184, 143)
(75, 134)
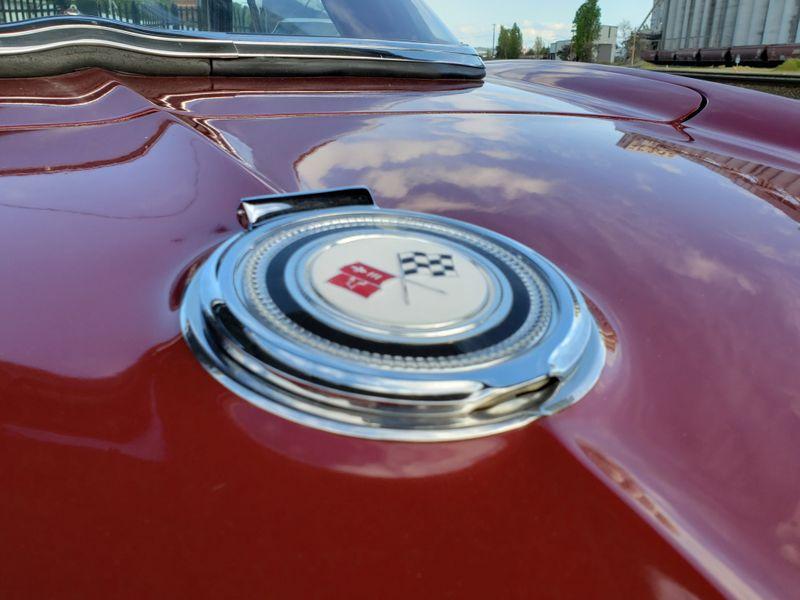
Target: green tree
(585, 30)
(539, 49)
(502, 43)
(509, 43)
(515, 43)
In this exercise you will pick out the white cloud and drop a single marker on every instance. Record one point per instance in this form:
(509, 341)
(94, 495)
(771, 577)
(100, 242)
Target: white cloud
(390, 159)
(550, 32)
(481, 34)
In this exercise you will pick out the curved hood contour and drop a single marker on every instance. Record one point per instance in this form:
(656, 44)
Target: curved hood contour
(675, 475)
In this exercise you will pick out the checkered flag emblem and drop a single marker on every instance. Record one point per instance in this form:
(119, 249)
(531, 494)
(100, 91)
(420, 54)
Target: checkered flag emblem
(421, 263)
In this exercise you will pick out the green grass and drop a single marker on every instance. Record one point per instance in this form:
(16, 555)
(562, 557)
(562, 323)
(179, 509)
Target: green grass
(792, 65)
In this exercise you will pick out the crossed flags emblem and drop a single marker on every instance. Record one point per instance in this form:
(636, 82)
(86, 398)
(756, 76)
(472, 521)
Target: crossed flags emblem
(422, 263)
(365, 280)
(435, 265)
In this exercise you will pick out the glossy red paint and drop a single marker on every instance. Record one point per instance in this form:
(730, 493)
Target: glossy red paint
(128, 471)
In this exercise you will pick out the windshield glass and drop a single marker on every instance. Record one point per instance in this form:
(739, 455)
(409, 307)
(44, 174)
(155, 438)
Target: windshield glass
(400, 20)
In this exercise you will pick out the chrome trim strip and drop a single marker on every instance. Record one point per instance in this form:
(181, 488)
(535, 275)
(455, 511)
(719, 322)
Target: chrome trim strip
(256, 210)
(56, 23)
(59, 32)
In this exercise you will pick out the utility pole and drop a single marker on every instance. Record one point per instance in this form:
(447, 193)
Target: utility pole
(494, 32)
(636, 31)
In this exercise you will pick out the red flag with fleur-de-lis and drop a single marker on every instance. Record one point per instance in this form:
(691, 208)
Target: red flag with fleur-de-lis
(360, 279)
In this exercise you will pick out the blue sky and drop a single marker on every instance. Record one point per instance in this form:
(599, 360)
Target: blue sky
(471, 20)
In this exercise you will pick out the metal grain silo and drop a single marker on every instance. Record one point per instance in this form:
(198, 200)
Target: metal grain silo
(773, 21)
(687, 24)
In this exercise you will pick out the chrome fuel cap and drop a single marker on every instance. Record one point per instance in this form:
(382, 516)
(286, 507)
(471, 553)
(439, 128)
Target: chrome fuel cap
(394, 325)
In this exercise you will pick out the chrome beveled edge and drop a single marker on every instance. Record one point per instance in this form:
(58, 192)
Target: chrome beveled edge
(328, 409)
(58, 32)
(330, 419)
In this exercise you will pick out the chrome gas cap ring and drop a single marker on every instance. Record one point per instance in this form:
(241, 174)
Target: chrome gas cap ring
(388, 324)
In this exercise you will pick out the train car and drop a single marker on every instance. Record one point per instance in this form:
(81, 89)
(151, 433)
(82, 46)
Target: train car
(687, 56)
(650, 56)
(749, 55)
(782, 52)
(715, 56)
(752, 56)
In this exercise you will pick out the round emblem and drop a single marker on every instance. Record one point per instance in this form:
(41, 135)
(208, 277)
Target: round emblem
(401, 283)
(391, 325)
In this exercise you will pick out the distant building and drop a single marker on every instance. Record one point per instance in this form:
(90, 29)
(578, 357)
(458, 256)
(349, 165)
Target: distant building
(603, 48)
(605, 44)
(557, 47)
(724, 23)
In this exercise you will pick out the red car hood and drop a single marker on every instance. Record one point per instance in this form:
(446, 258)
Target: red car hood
(128, 471)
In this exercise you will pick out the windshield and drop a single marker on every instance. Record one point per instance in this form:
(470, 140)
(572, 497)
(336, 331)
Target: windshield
(394, 20)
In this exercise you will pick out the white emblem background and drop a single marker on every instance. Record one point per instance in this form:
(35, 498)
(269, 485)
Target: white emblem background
(431, 301)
